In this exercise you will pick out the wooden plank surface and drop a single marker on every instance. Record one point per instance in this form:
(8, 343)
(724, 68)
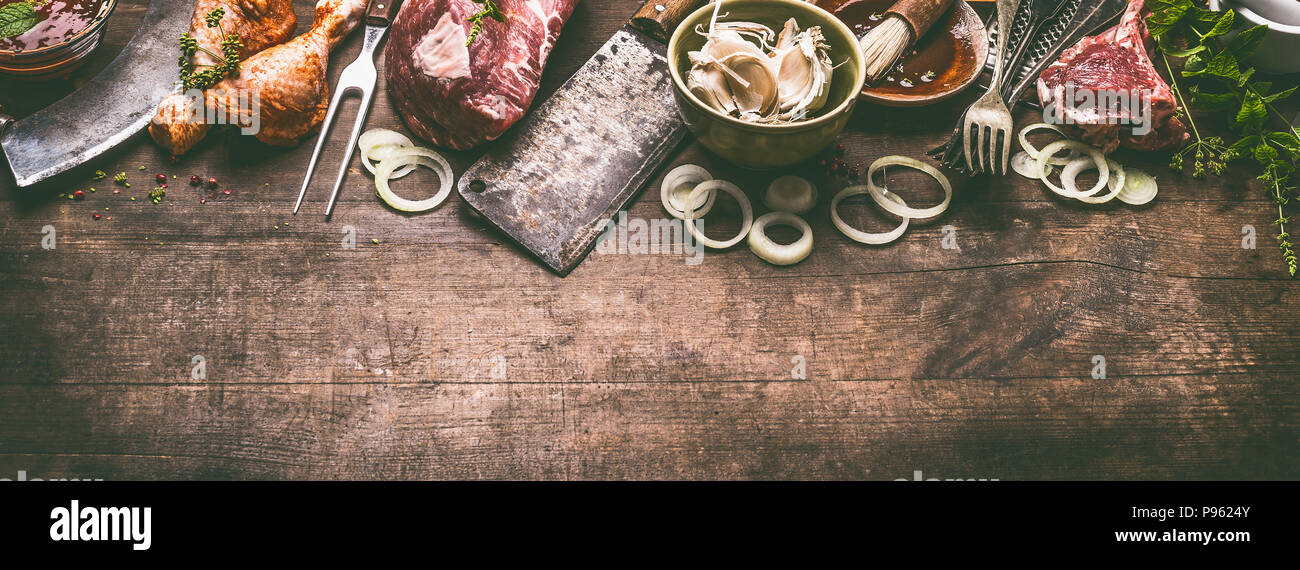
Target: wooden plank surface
(443, 352)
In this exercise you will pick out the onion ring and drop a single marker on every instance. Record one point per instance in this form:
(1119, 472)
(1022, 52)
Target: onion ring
(689, 176)
(1025, 165)
(773, 252)
(1116, 182)
(859, 235)
(377, 144)
(746, 213)
(1097, 158)
(1140, 188)
(790, 194)
(414, 155)
(901, 209)
(1033, 152)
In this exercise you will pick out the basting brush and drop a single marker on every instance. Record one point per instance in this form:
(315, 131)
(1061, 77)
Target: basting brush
(906, 22)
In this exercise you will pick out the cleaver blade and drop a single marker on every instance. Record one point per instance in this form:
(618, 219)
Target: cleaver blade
(108, 109)
(552, 182)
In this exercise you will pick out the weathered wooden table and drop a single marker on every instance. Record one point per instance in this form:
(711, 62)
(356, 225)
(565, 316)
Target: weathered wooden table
(442, 352)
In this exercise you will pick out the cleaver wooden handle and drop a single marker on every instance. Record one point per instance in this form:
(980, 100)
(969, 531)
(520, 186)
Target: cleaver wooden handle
(382, 12)
(659, 18)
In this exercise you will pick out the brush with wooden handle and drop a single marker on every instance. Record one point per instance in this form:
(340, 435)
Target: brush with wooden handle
(905, 23)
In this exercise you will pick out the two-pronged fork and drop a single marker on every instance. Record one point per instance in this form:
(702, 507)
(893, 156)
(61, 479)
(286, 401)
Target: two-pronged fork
(359, 76)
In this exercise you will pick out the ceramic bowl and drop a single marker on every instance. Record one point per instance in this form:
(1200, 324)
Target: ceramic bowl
(765, 147)
(1277, 51)
(57, 60)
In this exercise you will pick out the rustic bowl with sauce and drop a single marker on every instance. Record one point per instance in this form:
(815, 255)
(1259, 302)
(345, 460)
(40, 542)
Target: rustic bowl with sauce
(760, 146)
(942, 63)
(68, 33)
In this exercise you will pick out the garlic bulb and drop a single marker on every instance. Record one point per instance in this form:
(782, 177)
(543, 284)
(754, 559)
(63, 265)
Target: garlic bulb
(779, 79)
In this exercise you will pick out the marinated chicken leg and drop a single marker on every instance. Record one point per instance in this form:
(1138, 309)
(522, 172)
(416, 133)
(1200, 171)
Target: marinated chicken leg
(260, 24)
(290, 80)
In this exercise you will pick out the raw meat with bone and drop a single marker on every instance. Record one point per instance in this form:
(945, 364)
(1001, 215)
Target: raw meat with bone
(460, 97)
(1112, 62)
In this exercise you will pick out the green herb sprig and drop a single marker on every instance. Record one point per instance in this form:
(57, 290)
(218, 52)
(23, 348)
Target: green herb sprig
(19, 18)
(1218, 82)
(228, 61)
(490, 10)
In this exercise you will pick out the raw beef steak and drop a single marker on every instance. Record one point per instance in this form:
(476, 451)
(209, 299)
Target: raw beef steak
(1113, 62)
(460, 97)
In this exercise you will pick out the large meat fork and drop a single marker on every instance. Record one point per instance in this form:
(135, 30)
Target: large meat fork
(359, 76)
(988, 120)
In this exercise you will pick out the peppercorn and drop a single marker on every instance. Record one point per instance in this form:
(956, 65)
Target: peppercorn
(195, 181)
(212, 183)
(162, 178)
(79, 195)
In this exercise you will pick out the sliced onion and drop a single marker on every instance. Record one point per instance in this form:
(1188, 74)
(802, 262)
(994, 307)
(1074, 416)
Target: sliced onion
(858, 235)
(1097, 158)
(413, 156)
(1116, 182)
(379, 137)
(901, 209)
(378, 144)
(773, 252)
(790, 194)
(746, 213)
(1139, 189)
(1025, 165)
(1033, 152)
(678, 184)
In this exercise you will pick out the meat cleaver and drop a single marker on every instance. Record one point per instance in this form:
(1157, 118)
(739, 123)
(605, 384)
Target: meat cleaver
(105, 111)
(553, 180)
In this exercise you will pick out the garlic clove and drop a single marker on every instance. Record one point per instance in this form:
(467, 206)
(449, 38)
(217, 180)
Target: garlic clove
(752, 84)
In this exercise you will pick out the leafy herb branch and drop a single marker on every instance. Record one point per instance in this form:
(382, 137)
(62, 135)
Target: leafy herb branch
(1218, 82)
(228, 61)
(490, 10)
(19, 18)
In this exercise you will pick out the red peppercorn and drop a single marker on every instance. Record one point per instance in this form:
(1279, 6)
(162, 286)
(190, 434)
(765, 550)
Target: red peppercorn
(195, 181)
(227, 192)
(98, 216)
(79, 194)
(203, 200)
(212, 183)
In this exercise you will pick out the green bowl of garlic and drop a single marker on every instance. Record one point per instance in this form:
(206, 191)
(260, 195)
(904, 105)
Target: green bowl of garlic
(765, 84)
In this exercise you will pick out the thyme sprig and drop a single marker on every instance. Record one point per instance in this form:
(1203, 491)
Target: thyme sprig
(228, 61)
(1218, 82)
(490, 10)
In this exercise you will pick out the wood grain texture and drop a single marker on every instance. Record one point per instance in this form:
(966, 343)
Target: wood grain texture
(443, 352)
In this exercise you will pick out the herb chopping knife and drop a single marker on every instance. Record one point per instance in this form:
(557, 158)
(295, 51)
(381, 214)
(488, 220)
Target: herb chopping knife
(555, 179)
(104, 112)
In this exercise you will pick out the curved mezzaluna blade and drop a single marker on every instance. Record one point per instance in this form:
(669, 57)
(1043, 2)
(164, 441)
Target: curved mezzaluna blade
(108, 109)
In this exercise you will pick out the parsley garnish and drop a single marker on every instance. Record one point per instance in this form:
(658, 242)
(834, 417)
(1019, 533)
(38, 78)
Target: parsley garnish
(489, 10)
(228, 62)
(1218, 82)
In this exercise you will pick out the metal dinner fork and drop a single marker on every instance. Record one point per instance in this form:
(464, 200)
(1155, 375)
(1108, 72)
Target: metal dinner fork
(359, 76)
(988, 121)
